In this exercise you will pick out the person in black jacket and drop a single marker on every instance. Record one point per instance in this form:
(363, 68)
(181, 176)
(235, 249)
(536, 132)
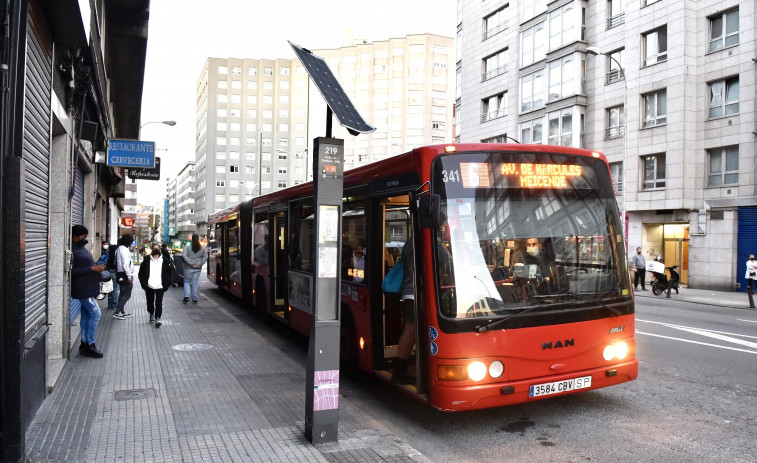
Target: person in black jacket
(155, 278)
(85, 285)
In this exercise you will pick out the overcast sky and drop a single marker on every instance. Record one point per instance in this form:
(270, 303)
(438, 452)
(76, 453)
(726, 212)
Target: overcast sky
(184, 33)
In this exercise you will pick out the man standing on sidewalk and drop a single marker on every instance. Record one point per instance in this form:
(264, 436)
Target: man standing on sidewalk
(125, 276)
(640, 265)
(85, 285)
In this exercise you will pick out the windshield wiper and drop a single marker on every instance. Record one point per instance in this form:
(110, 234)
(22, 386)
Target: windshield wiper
(494, 323)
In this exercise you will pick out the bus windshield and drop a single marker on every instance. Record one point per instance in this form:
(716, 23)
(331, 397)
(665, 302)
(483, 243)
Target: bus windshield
(525, 231)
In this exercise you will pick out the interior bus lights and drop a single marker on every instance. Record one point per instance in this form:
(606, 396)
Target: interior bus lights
(362, 343)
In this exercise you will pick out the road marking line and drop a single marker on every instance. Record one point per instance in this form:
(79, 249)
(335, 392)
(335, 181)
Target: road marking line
(670, 325)
(697, 342)
(748, 321)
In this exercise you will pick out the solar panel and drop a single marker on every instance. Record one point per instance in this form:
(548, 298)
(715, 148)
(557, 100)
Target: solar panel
(332, 91)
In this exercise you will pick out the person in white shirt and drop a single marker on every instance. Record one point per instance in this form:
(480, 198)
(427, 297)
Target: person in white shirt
(124, 276)
(155, 278)
(751, 274)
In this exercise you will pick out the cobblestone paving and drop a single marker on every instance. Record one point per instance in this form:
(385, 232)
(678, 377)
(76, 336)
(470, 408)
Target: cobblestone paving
(203, 387)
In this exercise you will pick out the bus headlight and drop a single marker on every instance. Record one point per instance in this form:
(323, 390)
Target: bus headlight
(496, 369)
(617, 350)
(477, 371)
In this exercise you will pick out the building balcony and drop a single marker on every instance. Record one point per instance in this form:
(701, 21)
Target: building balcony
(616, 20)
(493, 73)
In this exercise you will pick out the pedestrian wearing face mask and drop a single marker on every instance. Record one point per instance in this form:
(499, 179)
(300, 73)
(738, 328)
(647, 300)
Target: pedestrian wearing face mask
(85, 285)
(155, 278)
(751, 276)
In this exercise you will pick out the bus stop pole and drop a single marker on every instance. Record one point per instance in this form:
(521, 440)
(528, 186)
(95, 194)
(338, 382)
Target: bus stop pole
(322, 375)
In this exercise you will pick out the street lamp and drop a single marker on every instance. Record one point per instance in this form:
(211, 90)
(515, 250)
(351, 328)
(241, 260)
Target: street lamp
(595, 51)
(171, 123)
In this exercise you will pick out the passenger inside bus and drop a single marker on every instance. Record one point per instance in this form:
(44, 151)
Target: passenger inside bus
(358, 261)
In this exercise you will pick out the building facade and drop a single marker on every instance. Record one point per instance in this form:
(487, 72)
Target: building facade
(185, 189)
(664, 88)
(64, 95)
(404, 87)
(251, 124)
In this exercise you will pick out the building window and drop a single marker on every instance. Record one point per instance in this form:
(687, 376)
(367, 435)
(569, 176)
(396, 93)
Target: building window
(532, 8)
(561, 78)
(220, 183)
(284, 71)
(222, 98)
(235, 113)
(220, 140)
(532, 131)
(282, 184)
(614, 70)
(251, 71)
(562, 26)
(724, 30)
(249, 170)
(266, 170)
(223, 70)
(267, 71)
(252, 99)
(615, 13)
(724, 97)
(233, 169)
(220, 112)
(532, 91)
(497, 139)
(282, 170)
(655, 108)
(437, 124)
(616, 172)
(267, 99)
(495, 23)
(437, 139)
(724, 166)
(654, 171)
(220, 169)
(615, 122)
(561, 127)
(284, 113)
(221, 126)
(222, 84)
(655, 46)
(282, 156)
(252, 84)
(494, 107)
(236, 70)
(220, 198)
(220, 155)
(495, 65)
(236, 84)
(267, 85)
(533, 45)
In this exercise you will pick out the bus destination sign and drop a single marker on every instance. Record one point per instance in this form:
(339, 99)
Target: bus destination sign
(525, 175)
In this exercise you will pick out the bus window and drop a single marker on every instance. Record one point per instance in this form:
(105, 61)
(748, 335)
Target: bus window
(260, 239)
(302, 238)
(354, 250)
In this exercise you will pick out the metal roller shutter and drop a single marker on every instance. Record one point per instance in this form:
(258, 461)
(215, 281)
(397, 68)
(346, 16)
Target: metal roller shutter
(36, 155)
(77, 202)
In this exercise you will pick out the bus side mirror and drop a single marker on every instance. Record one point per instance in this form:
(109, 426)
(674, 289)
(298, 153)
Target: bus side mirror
(428, 211)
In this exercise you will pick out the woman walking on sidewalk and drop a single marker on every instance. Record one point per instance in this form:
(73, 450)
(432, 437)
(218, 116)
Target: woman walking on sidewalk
(155, 278)
(194, 257)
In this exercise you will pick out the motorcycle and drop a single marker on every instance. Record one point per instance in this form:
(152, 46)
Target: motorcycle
(661, 281)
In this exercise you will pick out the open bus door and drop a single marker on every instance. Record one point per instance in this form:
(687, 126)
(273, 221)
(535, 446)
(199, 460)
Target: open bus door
(280, 264)
(393, 215)
(261, 250)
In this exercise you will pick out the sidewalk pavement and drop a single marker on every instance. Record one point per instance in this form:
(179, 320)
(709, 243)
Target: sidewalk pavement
(735, 299)
(204, 387)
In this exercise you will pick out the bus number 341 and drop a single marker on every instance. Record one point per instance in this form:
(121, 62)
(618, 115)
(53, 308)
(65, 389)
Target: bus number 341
(452, 175)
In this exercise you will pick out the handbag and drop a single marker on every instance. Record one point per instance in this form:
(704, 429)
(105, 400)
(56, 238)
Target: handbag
(393, 280)
(106, 287)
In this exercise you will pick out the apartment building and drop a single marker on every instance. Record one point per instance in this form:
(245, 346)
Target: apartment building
(251, 125)
(664, 88)
(401, 86)
(185, 190)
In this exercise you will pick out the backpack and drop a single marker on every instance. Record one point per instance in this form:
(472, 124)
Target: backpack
(111, 264)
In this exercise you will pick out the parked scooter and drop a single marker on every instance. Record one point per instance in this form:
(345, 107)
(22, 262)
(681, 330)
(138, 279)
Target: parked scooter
(661, 280)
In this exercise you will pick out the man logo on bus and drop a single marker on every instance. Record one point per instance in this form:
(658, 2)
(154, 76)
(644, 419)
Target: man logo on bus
(558, 344)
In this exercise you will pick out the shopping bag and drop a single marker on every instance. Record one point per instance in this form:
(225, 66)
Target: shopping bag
(106, 287)
(393, 280)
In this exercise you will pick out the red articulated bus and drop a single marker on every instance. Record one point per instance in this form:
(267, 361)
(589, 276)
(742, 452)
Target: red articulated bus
(522, 289)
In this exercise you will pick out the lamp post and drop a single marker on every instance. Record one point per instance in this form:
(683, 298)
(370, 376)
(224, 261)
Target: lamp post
(595, 51)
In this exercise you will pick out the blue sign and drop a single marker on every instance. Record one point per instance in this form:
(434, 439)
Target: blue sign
(432, 333)
(131, 153)
(433, 349)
